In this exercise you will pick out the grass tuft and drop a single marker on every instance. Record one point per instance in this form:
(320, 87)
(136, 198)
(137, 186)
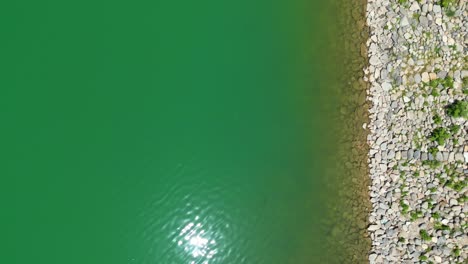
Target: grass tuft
(439, 135)
(454, 129)
(437, 119)
(424, 235)
(458, 109)
(432, 163)
(447, 3)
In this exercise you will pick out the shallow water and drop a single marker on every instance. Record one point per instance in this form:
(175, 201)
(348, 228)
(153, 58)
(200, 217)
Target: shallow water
(183, 132)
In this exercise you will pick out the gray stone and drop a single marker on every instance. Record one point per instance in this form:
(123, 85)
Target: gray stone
(417, 154)
(417, 78)
(374, 60)
(457, 74)
(386, 86)
(384, 74)
(447, 251)
(383, 167)
(424, 8)
(404, 22)
(423, 21)
(404, 154)
(383, 206)
(453, 202)
(451, 156)
(441, 240)
(383, 146)
(441, 74)
(459, 157)
(424, 156)
(398, 80)
(410, 153)
(414, 7)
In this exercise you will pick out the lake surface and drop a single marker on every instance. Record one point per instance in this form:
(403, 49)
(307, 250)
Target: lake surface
(183, 132)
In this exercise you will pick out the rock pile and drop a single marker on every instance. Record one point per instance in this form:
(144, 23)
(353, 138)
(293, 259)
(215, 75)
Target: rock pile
(418, 157)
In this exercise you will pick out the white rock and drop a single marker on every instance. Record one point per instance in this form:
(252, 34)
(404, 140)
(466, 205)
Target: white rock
(383, 167)
(374, 60)
(417, 78)
(425, 77)
(386, 86)
(414, 7)
(404, 22)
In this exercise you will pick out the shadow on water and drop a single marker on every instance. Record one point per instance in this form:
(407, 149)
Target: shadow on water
(347, 217)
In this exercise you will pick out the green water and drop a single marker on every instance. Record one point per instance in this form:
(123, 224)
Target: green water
(177, 132)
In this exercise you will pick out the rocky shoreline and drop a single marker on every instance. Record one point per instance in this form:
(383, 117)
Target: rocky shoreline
(418, 130)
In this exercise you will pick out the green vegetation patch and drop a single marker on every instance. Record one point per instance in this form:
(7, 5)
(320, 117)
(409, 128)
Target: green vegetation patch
(450, 13)
(439, 226)
(447, 3)
(432, 163)
(424, 235)
(462, 199)
(458, 109)
(415, 215)
(437, 119)
(454, 129)
(404, 207)
(457, 186)
(439, 135)
(433, 151)
(465, 85)
(446, 83)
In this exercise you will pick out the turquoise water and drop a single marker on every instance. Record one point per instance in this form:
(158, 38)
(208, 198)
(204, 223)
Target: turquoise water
(171, 132)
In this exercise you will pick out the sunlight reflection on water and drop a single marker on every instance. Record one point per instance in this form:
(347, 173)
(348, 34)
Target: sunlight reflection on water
(197, 242)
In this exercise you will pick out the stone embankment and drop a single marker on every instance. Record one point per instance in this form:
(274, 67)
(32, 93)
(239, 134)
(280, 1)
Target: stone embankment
(418, 130)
